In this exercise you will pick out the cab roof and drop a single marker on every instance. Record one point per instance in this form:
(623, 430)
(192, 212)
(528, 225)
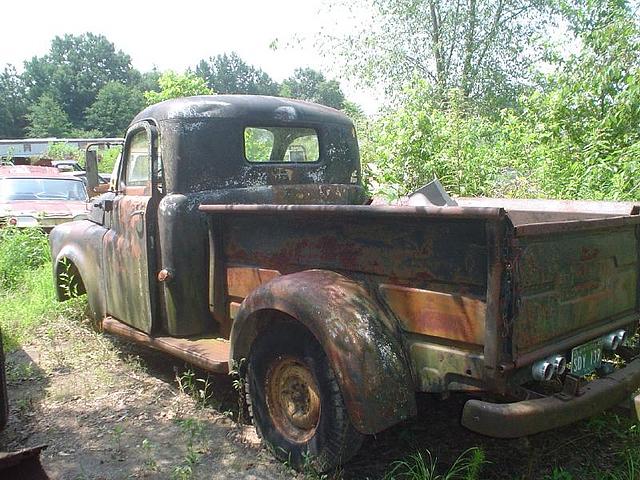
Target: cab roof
(251, 108)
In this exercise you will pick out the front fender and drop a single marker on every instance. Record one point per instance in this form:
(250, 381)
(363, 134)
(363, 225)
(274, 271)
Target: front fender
(80, 243)
(355, 333)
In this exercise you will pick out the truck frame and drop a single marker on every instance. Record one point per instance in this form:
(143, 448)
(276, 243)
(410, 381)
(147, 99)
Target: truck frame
(238, 238)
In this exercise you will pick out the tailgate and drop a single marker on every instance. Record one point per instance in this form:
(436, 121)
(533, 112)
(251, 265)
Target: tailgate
(571, 278)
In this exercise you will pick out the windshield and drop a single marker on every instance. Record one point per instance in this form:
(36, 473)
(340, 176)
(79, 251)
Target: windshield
(42, 189)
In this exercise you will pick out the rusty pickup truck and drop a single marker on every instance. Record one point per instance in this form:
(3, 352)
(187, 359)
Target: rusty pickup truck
(239, 237)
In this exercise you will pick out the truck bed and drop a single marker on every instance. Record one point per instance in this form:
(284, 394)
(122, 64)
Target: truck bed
(507, 285)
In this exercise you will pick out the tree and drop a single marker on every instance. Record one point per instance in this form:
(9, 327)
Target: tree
(13, 107)
(481, 47)
(74, 71)
(174, 85)
(589, 111)
(115, 106)
(149, 80)
(47, 118)
(230, 74)
(311, 85)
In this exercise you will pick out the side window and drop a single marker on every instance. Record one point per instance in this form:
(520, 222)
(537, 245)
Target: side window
(137, 175)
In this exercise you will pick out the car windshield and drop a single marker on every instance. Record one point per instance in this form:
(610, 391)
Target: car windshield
(42, 189)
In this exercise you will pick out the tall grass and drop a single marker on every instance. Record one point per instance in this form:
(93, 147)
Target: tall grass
(419, 466)
(21, 252)
(27, 293)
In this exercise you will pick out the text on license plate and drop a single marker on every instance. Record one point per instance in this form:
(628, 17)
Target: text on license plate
(586, 358)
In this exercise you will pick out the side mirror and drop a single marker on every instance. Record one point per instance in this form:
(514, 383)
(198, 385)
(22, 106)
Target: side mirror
(91, 162)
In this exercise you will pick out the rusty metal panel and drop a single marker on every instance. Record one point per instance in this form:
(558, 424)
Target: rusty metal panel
(241, 281)
(445, 367)
(208, 353)
(359, 339)
(445, 315)
(570, 282)
(439, 253)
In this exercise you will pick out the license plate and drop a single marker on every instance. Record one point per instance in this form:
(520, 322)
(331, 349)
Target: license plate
(586, 358)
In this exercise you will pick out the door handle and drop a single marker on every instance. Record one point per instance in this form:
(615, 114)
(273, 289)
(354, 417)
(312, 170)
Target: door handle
(136, 212)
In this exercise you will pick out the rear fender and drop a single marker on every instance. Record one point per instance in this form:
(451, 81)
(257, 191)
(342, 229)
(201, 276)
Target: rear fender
(355, 333)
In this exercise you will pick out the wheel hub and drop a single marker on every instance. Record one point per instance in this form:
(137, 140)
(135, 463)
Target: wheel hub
(293, 399)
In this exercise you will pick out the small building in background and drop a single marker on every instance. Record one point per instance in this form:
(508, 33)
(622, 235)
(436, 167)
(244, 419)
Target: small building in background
(25, 151)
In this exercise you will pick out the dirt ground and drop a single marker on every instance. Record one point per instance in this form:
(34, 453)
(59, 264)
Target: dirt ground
(108, 409)
(111, 410)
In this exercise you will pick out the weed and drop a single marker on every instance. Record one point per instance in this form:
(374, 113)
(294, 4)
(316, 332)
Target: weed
(68, 281)
(24, 405)
(559, 474)
(239, 385)
(609, 425)
(193, 431)
(182, 472)
(116, 437)
(23, 371)
(149, 462)
(630, 470)
(200, 389)
(310, 471)
(424, 467)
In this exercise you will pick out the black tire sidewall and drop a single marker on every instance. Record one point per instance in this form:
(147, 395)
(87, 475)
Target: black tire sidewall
(296, 342)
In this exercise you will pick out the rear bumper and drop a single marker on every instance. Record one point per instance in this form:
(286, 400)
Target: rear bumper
(518, 419)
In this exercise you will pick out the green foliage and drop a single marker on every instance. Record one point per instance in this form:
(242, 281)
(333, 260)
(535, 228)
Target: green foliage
(559, 474)
(200, 389)
(311, 85)
(228, 73)
(74, 70)
(107, 159)
(574, 138)
(175, 85)
(47, 118)
(13, 107)
(419, 141)
(63, 151)
(21, 250)
(193, 432)
(258, 143)
(27, 295)
(115, 106)
(483, 48)
(424, 467)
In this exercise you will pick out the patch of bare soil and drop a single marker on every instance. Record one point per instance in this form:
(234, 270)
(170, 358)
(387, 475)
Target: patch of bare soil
(108, 409)
(111, 410)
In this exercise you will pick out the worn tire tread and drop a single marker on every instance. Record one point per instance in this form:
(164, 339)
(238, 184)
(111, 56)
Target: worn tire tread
(344, 441)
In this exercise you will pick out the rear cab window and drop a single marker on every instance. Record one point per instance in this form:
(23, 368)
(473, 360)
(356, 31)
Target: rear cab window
(281, 145)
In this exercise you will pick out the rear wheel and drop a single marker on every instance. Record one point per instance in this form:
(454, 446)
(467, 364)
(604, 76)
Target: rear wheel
(295, 400)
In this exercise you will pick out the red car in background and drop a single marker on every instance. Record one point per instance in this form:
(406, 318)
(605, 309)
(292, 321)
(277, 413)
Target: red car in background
(43, 197)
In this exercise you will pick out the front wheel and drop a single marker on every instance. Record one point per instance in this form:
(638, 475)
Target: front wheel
(295, 400)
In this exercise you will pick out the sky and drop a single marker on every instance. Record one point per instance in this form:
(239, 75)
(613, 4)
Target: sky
(176, 35)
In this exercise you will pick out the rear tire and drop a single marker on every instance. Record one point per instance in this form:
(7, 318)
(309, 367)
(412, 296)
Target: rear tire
(295, 400)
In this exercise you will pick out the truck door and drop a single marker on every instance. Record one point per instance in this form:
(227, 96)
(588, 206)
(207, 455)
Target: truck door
(130, 243)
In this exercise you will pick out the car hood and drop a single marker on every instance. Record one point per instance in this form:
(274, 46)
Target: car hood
(46, 208)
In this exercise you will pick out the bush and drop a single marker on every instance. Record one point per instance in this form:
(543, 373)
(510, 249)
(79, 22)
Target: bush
(21, 250)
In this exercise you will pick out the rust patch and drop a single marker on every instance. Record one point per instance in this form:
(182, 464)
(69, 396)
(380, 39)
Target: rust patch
(445, 315)
(241, 281)
(210, 354)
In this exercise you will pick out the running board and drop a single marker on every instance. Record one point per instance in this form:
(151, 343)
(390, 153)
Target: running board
(210, 354)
